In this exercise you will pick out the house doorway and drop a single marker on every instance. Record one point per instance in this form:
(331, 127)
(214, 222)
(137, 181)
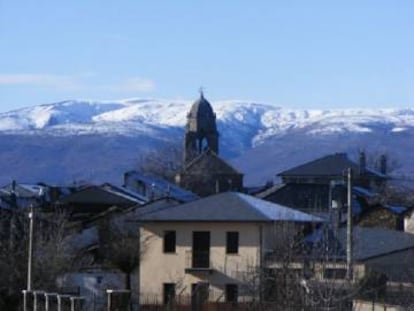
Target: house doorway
(199, 295)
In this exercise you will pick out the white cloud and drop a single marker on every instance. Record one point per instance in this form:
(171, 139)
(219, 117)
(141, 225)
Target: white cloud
(80, 82)
(42, 80)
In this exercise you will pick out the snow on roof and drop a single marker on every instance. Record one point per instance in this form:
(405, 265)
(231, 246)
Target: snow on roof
(167, 188)
(227, 206)
(276, 211)
(24, 190)
(125, 193)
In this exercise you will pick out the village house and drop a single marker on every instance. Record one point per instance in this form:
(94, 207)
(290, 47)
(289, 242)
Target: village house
(320, 187)
(22, 195)
(313, 186)
(384, 251)
(97, 272)
(206, 249)
(91, 200)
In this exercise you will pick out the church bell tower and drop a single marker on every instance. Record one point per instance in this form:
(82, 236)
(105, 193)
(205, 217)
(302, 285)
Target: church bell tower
(201, 131)
(204, 172)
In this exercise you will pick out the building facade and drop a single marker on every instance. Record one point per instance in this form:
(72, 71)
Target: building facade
(209, 249)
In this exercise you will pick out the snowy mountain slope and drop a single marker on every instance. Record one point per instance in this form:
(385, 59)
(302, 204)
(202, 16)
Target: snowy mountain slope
(262, 120)
(98, 140)
(47, 116)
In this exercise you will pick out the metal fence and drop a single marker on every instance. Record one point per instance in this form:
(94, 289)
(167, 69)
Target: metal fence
(114, 300)
(44, 301)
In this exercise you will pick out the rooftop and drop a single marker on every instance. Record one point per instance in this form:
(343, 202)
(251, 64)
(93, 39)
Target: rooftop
(165, 187)
(226, 207)
(330, 165)
(375, 242)
(368, 243)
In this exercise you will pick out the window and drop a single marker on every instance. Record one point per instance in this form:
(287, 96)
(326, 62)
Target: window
(169, 242)
(232, 246)
(169, 293)
(201, 249)
(231, 292)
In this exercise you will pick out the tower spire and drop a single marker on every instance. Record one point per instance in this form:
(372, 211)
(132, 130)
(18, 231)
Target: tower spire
(201, 91)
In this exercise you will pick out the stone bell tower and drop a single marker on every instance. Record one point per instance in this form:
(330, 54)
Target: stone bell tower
(201, 131)
(204, 172)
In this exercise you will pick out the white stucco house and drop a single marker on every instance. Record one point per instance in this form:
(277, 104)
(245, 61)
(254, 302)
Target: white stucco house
(205, 249)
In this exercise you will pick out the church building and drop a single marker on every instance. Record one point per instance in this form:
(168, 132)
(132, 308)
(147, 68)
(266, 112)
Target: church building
(204, 172)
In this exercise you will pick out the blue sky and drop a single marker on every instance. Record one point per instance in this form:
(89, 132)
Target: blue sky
(299, 54)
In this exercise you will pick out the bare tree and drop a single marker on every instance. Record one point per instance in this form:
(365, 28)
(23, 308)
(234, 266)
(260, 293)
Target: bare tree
(52, 255)
(374, 159)
(122, 250)
(293, 275)
(165, 161)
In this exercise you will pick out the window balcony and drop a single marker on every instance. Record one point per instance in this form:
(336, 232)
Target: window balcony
(198, 261)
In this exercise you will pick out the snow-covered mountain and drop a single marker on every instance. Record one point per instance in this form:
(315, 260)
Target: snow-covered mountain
(72, 140)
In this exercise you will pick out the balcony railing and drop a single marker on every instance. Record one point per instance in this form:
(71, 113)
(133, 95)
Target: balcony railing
(197, 261)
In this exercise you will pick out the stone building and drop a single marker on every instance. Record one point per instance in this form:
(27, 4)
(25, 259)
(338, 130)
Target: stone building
(314, 186)
(204, 172)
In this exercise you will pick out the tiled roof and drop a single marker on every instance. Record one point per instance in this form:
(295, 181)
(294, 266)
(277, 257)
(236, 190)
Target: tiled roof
(211, 162)
(98, 195)
(124, 192)
(375, 242)
(367, 242)
(300, 196)
(23, 190)
(226, 206)
(330, 165)
(167, 188)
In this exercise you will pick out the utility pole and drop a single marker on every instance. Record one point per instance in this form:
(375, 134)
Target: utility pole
(349, 250)
(30, 256)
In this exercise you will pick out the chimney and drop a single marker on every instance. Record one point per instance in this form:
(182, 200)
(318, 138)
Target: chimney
(362, 163)
(13, 186)
(383, 164)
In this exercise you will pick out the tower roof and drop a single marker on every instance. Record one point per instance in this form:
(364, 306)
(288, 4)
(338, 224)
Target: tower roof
(201, 116)
(201, 108)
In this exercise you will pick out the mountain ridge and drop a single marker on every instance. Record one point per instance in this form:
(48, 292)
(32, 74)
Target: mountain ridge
(249, 132)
